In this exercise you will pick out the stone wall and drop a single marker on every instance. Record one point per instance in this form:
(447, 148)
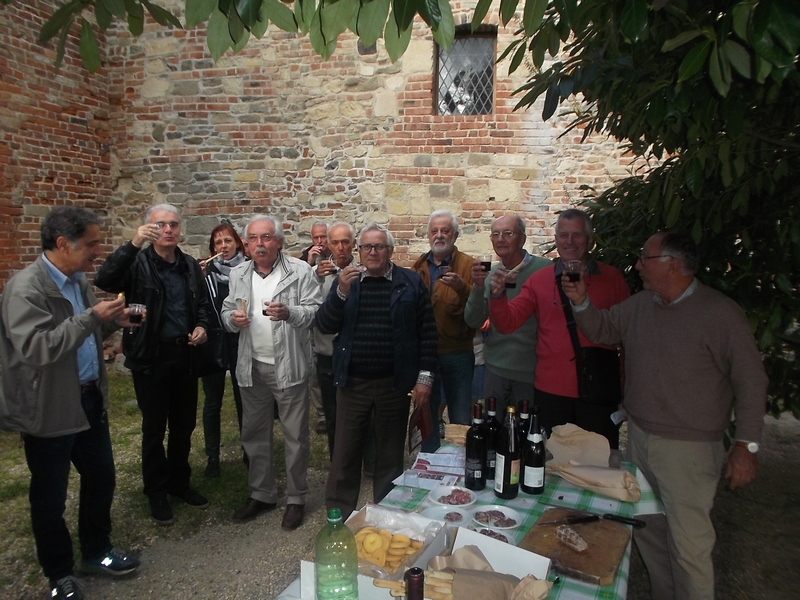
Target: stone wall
(276, 129)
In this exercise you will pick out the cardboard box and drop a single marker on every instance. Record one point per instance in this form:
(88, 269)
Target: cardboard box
(371, 514)
(503, 557)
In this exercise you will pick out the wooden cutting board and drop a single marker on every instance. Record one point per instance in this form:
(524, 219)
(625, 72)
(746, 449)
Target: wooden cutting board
(598, 564)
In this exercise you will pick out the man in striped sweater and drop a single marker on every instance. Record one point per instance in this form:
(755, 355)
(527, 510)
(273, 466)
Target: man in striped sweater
(385, 348)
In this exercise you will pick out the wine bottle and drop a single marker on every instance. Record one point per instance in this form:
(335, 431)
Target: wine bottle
(524, 422)
(475, 468)
(491, 428)
(415, 583)
(506, 470)
(533, 458)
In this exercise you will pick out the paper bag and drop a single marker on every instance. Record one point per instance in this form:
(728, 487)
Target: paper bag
(614, 483)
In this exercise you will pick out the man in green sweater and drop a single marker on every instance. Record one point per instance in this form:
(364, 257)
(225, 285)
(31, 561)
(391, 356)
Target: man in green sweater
(689, 357)
(510, 358)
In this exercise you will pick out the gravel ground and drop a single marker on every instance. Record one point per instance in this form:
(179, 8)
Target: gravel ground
(756, 549)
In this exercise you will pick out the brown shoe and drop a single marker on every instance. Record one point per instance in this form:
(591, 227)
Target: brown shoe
(321, 427)
(293, 517)
(251, 509)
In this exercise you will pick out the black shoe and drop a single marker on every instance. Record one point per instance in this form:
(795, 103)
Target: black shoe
(293, 517)
(321, 427)
(161, 511)
(66, 588)
(441, 429)
(251, 509)
(191, 498)
(114, 562)
(212, 468)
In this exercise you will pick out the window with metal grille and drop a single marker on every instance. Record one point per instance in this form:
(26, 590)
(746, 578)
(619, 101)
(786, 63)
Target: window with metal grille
(465, 76)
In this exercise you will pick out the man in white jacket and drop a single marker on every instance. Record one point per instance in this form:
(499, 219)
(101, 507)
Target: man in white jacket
(271, 303)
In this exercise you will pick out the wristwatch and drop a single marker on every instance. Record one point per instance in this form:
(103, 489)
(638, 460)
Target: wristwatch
(751, 447)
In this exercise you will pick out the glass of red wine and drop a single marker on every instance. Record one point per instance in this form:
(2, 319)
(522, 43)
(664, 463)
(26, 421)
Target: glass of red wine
(135, 315)
(573, 270)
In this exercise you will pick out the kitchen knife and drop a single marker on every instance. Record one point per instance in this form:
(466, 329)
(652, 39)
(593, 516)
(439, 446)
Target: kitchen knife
(636, 523)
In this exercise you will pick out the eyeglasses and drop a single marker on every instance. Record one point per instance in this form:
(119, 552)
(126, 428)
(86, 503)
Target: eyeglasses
(644, 258)
(264, 237)
(172, 224)
(370, 247)
(506, 235)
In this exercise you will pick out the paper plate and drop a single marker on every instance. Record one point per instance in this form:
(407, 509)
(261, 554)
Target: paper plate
(449, 514)
(496, 516)
(452, 495)
(495, 533)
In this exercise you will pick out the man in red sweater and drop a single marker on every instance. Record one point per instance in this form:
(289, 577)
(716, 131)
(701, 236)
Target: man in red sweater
(690, 356)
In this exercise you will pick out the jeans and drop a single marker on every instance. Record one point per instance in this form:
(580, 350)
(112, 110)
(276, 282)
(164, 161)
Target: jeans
(453, 382)
(167, 396)
(49, 463)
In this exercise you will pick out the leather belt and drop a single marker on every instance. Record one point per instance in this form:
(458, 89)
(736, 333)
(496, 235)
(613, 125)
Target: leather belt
(89, 386)
(178, 341)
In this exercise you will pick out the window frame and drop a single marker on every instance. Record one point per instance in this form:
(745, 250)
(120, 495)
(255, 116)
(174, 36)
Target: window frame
(462, 32)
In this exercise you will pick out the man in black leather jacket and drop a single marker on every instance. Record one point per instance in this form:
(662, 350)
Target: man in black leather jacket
(160, 353)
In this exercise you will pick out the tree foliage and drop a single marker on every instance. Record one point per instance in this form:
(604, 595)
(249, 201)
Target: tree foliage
(230, 23)
(706, 93)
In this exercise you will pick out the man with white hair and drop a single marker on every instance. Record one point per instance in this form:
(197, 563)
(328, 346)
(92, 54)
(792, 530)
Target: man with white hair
(159, 353)
(271, 303)
(690, 357)
(446, 272)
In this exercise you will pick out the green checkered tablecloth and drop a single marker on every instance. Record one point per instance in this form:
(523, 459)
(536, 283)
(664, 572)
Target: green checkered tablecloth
(558, 492)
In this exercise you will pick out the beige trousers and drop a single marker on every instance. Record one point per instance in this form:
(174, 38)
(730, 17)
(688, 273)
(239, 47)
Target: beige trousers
(676, 546)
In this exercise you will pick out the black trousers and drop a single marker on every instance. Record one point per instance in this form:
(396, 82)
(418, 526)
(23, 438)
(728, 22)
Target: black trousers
(359, 400)
(49, 463)
(167, 397)
(558, 410)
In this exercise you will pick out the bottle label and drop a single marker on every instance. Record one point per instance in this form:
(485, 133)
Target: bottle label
(499, 467)
(491, 461)
(534, 477)
(474, 468)
(514, 477)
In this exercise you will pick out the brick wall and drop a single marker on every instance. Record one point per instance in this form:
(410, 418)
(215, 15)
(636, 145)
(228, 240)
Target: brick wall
(53, 133)
(276, 129)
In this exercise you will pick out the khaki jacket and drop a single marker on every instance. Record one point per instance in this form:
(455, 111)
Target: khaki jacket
(448, 305)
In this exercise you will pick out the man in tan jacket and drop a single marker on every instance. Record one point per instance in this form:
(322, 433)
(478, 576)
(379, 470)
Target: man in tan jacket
(445, 271)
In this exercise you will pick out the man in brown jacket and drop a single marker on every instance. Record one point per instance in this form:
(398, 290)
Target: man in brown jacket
(446, 273)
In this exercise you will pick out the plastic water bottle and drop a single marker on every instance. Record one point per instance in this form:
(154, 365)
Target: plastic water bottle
(336, 560)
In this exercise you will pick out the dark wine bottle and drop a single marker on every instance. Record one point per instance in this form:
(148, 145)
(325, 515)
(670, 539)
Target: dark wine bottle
(532, 480)
(506, 470)
(524, 421)
(475, 468)
(491, 428)
(415, 584)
